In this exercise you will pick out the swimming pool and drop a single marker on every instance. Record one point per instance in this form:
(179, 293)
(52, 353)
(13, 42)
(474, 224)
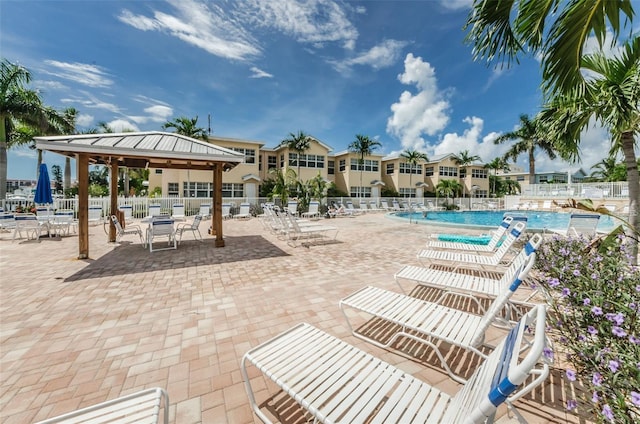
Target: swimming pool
(536, 221)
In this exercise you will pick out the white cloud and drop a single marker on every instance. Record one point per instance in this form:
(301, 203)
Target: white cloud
(312, 21)
(121, 125)
(456, 4)
(159, 113)
(205, 26)
(259, 73)
(91, 102)
(84, 120)
(419, 114)
(82, 73)
(51, 85)
(382, 55)
(472, 140)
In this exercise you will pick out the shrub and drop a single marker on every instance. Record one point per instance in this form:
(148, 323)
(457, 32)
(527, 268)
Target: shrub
(594, 303)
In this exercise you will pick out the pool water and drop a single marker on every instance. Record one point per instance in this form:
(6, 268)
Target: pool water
(479, 219)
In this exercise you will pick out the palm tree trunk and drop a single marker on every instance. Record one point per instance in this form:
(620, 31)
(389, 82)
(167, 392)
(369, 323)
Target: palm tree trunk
(67, 174)
(633, 178)
(532, 167)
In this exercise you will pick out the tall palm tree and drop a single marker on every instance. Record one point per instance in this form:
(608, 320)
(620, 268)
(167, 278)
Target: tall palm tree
(612, 97)
(413, 158)
(530, 136)
(299, 143)
(188, 127)
(364, 146)
(18, 106)
(283, 181)
(554, 30)
(463, 160)
(448, 188)
(497, 164)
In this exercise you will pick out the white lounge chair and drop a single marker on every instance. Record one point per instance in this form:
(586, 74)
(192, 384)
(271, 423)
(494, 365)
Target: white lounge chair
(363, 206)
(226, 210)
(154, 210)
(127, 210)
(205, 210)
(193, 227)
(430, 322)
(130, 230)
(490, 247)
(314, 210)
(455, 259)
(28, 223)
(373, 206)
(292, 207)
(467, 285)
(161, 228)
(580, 223)
(334, 381)
(146, 406)
(95, 215)
(244, 212)
(296, 232)
(62, 222)
(7, 221)
(385, 205)
(351, 209)
(177, 211)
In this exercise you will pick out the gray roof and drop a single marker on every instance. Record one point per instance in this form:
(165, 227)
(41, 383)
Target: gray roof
(143, 149)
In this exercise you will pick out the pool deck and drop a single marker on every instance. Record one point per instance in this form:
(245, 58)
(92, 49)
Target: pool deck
(78, 332)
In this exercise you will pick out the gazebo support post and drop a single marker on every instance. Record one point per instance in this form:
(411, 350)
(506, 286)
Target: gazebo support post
(114, 198)
(83, 206)
(217, 205)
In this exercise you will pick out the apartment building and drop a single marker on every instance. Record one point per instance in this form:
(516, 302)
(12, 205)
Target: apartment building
(343, 168)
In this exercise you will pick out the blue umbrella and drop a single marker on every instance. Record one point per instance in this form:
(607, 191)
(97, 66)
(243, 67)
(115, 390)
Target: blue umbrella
(43, 189)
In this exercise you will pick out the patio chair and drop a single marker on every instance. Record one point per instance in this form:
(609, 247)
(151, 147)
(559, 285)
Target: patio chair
(469, 285)
(161, 228)
(154, 210)
(145, 406)
(226, 210)
(130, 230)
(333, 381)
(295, 231)
(373, 206)
(351, 209)
(456, 259)
(314, 210)
(127, 211)
(28, 223)
(395, 205)
(193, 227)
(7, 221)
(177, 211)
(62, 222)
(363, 206)
(489, 247)
(205, 210)
(430, 323)
(385, 205)
(245, 211)
(95, 215)
(580, 223)
(292, 207)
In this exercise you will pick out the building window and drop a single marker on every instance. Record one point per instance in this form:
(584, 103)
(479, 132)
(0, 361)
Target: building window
(173, 189)
(343, 165)
(260, 163)
(232, 190)
(428, 171)
(407, 192)
(520, 178)
(282, 160)
(390, 168)
(407, 168)
(272, 162)
(481, 193)
(306, 161)
(463, 173)
(197, 189)
(543, 178)
(249, 154)
(479, 173)
(360, 192)
(293, 159)
(331, 167)
(367, 165)
(158, 171)
(448, 171)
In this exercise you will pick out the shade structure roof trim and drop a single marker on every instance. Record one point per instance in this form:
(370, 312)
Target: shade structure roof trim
(150, 145)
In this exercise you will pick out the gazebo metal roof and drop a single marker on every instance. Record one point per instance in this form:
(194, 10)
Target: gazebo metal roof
(152, 149)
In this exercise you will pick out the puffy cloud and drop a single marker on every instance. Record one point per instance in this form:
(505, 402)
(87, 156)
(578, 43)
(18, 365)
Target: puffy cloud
(422, 113)
(382, 55)
(81, 73)
(259, 73)
(122, 125)
(84, 120)
(159, 113)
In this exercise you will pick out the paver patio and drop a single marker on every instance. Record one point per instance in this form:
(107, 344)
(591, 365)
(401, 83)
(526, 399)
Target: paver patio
(78, 332)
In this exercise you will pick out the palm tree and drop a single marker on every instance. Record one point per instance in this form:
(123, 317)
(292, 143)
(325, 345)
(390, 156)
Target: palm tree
(283, 181)
(530, 136)
(605, 170)
(413, 158)
(299, 143)
(612, 97)
(448, 188)
(553, 30)
(70, 115)
(497, 164)
(364, 146)
(188, 127)
(464, 159)
(19, 106)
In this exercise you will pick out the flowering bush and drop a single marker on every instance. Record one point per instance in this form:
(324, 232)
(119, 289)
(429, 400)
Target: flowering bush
(594, 304)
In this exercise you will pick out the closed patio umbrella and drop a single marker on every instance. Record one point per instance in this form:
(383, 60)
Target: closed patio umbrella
(43, 189)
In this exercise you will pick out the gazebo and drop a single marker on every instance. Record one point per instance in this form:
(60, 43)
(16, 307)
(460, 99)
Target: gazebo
(139, 150)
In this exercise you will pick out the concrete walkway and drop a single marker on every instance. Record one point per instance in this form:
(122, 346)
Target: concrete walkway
(78, 332)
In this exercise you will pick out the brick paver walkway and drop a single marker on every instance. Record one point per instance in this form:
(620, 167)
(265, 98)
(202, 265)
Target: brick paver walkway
(78, 332)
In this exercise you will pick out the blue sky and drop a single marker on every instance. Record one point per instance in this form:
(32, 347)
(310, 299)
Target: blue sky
(397, 71)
